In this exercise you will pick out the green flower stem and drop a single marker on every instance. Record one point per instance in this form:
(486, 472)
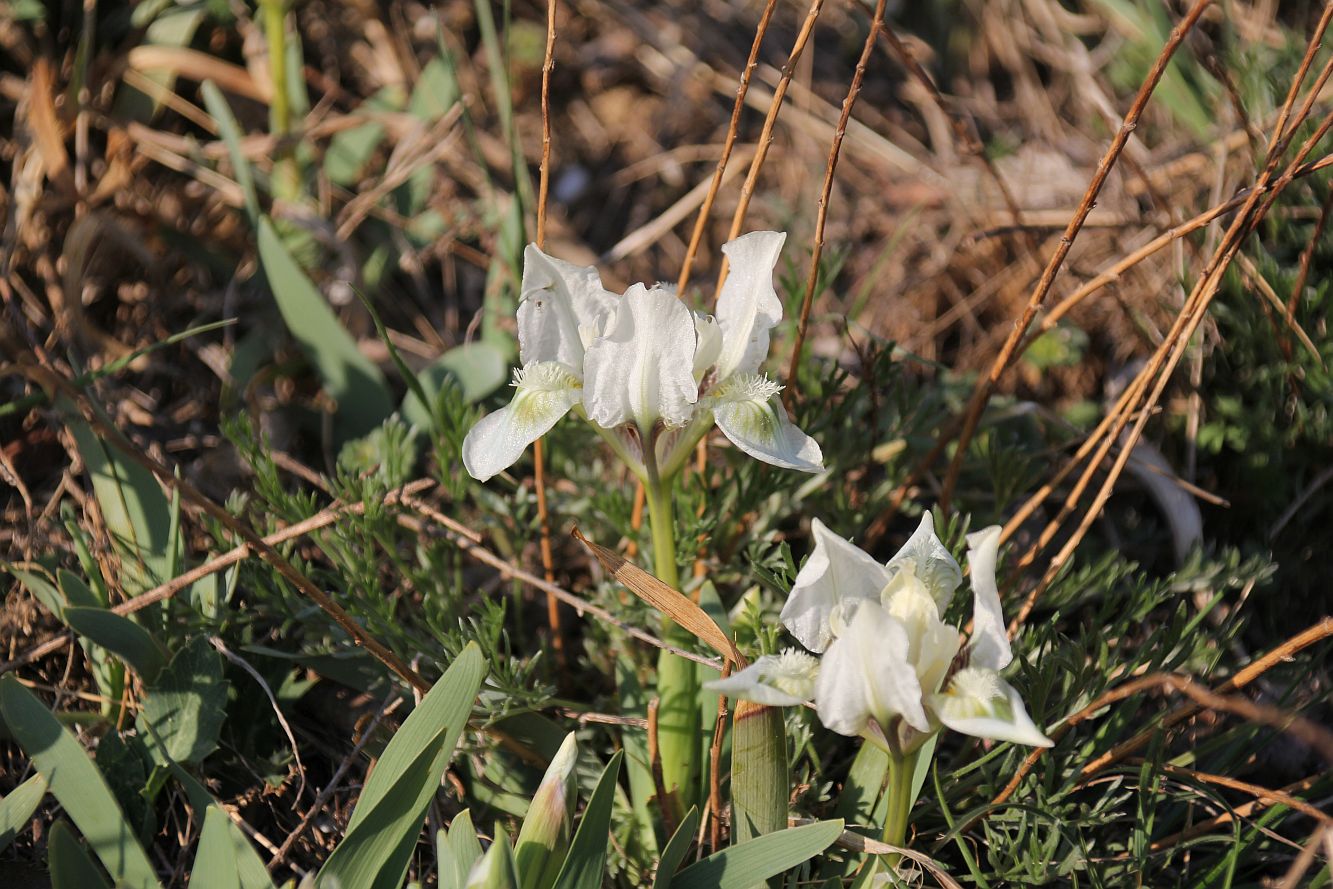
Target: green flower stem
(661, 520)
(901, 770)
(678, 714)
(286, 176)
(275, 30)
(760, 779)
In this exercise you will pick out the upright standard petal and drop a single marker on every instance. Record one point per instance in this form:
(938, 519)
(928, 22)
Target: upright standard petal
(544, 392)
(747, 411)
(561, 308)
(933, 643)
(979, 703)
(836, 571)
(748, 306)
(776, 680)
(865, 677)
(934, 563)
(642, 370)
(990, 642)
(708, 339)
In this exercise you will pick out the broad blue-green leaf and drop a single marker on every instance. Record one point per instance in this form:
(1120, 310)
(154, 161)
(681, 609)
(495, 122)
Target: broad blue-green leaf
(435, 91)
(753, 862)
(676, 849)
(586, 862)
(125, 764)
(186, 704)
(446, 706)
(406, 777)
(230, 131)
(136, 512)
(16, 809)
(170, 24)
(349, 377)
(642, 790)
(70, 864)
(215, 860)
(76, 592)
(497, 869)
(865, 781)
(77, 785)
(349, 150)
(121, 636)
(250, 868)
(456, 852)
(108, 672)
(478, 368)
(376, 851)
(921, 770)
(43, 590)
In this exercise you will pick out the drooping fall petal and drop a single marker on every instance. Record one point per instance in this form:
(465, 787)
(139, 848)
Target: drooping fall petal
(990, 641)
(865, 677)
(747, 411)
(642, 369)
(562, 307)
(836, 571)
(543, 393)
(979, 703)
(778, 680)
(748, 306)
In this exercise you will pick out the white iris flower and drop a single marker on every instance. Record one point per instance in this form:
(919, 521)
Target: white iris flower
(644, 369)
(892, 670)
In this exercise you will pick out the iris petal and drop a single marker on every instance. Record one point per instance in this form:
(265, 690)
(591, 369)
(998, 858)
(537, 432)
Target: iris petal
(543, 393)
(747, 411)
(836, 572)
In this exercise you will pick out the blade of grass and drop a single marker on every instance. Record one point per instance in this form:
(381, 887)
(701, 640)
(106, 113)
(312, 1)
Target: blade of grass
(215, 860)
(70, 864)
(17, 808)
(585, 865)
(751, 863)
(77, 785)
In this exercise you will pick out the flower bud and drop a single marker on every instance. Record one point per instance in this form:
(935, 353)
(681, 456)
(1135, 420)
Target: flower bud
(495, 869)
(543, 841)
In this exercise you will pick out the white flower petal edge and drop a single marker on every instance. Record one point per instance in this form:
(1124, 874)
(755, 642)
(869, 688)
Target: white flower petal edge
(934, 564)
(835, 571)
(543, 393)
(748, 306)
(642, 369)
(865, 677)
(747, 411)
(781, 680)
(561, 308)
(990, 640)
(979, 703)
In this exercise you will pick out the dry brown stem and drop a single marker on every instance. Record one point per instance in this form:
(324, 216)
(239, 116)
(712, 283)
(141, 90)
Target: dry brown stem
(1302, 640)
(538, 451)
(766, 135)
(728, 143)
(812, 279)
(1244, 810)
(197, 501)
(986, 384)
